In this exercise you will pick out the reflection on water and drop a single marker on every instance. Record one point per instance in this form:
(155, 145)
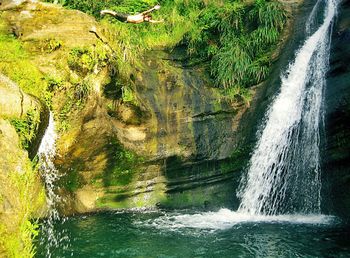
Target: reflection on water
(158, 234)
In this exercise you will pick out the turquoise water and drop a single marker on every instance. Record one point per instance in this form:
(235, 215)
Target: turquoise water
(215, 234)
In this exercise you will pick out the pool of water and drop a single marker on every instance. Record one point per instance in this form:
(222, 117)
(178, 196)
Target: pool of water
(190, 234)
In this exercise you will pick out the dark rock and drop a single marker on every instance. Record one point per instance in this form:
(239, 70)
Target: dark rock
(336, 166)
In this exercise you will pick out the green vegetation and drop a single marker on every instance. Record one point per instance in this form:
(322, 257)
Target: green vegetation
(27, 127)
(20, 189)
(48, 45)
(236, 37)
(86, 60)
(16, 64)
(75, 98)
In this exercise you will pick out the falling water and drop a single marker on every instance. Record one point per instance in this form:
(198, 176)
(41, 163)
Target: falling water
(49, 173)
(284, 171)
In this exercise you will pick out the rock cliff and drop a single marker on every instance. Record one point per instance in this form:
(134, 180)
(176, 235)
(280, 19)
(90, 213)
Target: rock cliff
(337, 135)
(168, 138)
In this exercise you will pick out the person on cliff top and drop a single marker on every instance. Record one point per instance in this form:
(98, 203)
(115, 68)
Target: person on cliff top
(137, 18)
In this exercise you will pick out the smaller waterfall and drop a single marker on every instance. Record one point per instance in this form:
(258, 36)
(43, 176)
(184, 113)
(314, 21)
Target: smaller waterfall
(49, 173)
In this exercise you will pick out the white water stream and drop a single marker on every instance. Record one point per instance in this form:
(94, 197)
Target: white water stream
(50, 175)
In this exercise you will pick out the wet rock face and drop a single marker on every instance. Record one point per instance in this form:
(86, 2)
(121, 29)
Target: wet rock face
(187, 117)
(183, 133)
(337, 146)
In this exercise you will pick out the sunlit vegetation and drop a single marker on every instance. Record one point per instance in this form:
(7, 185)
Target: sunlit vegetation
(21, 192)
(16, 64)
(236, 37)
(86, 60)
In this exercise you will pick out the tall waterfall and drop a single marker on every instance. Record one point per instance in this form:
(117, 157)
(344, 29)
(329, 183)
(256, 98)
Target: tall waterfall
(284, 171)
(49, 173)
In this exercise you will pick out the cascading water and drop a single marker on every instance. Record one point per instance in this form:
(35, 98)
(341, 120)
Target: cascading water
(49, 173)
(284, 172)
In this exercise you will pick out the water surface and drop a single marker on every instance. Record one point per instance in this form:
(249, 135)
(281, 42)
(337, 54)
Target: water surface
(212, 234)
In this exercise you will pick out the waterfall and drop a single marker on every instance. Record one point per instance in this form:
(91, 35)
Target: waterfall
(284, 170)
(49, 173)
(283, 182)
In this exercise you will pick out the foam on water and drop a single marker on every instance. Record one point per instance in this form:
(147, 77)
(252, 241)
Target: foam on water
(225, 218)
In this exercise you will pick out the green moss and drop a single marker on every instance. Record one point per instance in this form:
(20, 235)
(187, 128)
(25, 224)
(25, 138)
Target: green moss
(126, 197)
(71, 180)
(122, 166)
(238, 159)
(16, 64)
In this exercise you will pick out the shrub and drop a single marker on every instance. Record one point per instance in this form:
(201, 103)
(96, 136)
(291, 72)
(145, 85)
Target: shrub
(85, 60)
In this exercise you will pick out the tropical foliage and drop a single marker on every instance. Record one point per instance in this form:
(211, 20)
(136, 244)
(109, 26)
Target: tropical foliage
(235, 37)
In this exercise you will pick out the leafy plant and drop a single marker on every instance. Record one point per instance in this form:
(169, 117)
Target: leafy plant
(27, 127)
(82, 90)
(53, 44)
(85, 60)
(127, 94)
(81, 60)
